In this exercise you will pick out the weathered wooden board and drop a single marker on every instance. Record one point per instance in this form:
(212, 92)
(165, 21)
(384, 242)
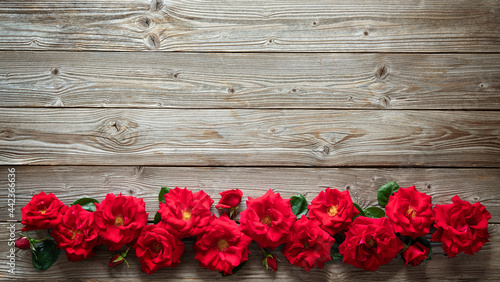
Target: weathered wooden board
(249, 80)
(70, 183)
(249, 137)
(263, 26)
(483, 266)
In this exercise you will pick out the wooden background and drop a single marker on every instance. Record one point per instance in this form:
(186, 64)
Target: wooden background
(295, 96)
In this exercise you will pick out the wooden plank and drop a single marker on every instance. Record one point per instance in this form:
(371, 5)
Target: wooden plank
(70, 183)
(249, 80)
(482, 266)
(262, 26)
(249, 137)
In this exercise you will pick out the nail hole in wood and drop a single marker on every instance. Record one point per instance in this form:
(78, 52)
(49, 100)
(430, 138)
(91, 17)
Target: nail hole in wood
(382, 72)
(55, 71)
(385, 101)
(366, 33)
(153, 41)
(156, 5)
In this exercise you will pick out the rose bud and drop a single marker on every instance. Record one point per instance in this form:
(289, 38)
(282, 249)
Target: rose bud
(119, 259)
(116, 260)
(230, 199)
(22, 243)
(271, 262)
(415, 254)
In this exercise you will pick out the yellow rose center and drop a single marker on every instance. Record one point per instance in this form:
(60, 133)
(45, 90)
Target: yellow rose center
(74, 233)
(411, 212)
(371, 242)
(333, 210)
(119, 221)
(305, 243)
(186, 215)
(43, 211)
(267, 220)
(156, 247)
(222, 244)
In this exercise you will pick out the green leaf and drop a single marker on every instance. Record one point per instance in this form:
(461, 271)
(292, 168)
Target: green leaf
(299, 205)
(361, 212)
(374, 212)
(161, 195)
(334, 252)
(45, 254)
(87, 204)
(236, 269)
(385, 191)
(157, 218)
(426, 243)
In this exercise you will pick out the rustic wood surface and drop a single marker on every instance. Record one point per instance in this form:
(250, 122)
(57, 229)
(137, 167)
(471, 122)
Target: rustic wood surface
(482, 265)
(263, 26)
(250, 137)
(70, 183)
(293, 96)
(249, 80)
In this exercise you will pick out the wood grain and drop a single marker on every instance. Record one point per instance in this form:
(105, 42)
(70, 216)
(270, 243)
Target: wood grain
(481, 266)
(261, 26)
(249, 80)
(249, 137)
(70, 183)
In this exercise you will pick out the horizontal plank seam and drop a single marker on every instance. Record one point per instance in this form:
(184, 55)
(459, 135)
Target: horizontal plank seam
(256, 166)
(257, 109)
(249, 52)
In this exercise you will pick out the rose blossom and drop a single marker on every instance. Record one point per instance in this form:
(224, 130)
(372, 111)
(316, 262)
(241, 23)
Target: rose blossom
(410, 212)
(415, 254)
(185, 214)
(156, 248)
(462, 227)
(309, 245)
(42, 212)
(223, 246)
(267, 219)
(76, 234)
(332, 210)
(369, 243)
(120, 219)
(230, 199)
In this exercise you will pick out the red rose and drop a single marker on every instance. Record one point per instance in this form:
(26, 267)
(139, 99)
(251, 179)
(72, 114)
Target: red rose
(267, 220)
(462, 227)
(76, 234)
(223, 246)
(42, 212)
(369, 243)
(185, 214)
(415, 254)
(332, 210)
(309, 245)
(271, 262)
(116, 260)
(120, 219)
(22, 243)
(230, 199)
(156, 248)
(410, 212)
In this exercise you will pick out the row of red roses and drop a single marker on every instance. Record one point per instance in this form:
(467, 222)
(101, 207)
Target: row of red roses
(364, 238)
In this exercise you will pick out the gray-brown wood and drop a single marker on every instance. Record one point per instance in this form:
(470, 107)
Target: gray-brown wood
(249, 137)
(250, 80)
(70, 183)
(263, 26)
(483, 265)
